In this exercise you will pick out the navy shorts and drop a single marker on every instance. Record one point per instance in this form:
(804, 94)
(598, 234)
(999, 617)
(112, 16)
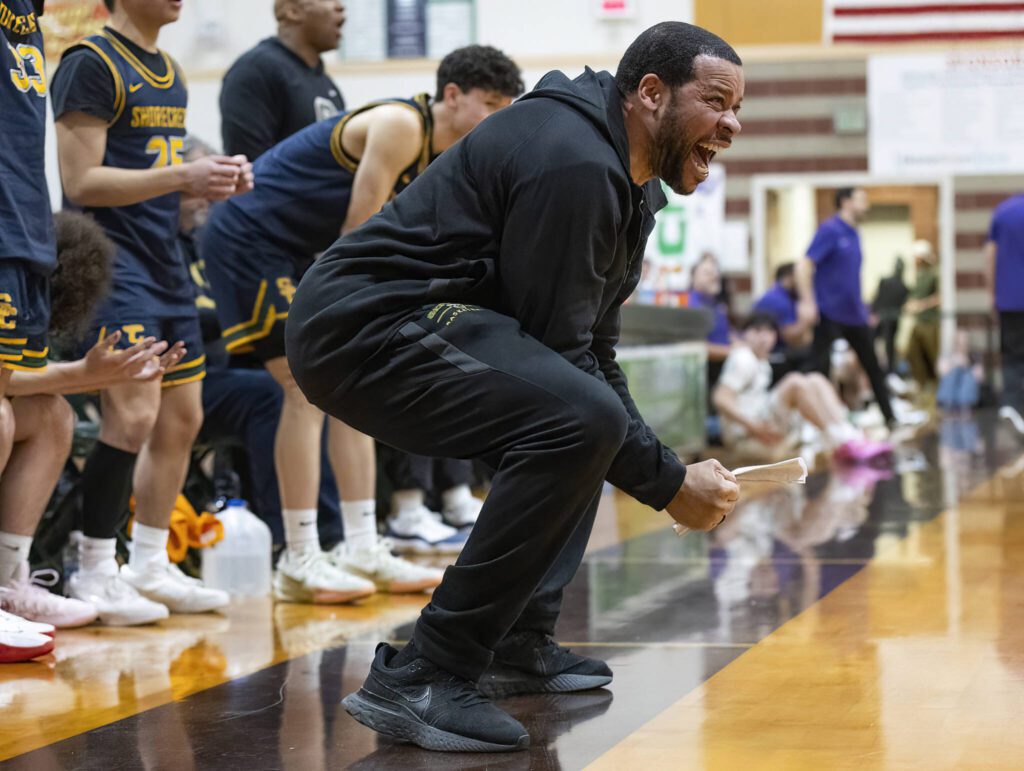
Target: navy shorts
(252, 288)
(24, 316)
(172, 329)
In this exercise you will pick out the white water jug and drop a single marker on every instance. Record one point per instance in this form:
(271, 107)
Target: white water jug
(240, 563)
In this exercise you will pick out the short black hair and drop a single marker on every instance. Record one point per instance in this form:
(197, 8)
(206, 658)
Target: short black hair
(843, 194)
(483, 67)
(760, 320)
(668, 50)
(785, 270)
(84, 258)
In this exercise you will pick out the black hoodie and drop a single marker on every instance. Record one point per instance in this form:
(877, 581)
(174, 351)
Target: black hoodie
(534, 215)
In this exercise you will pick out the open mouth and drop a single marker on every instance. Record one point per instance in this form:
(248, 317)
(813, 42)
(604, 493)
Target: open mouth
(704, 153)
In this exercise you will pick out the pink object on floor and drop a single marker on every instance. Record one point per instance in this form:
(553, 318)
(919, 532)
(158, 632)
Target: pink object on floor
(862, 450)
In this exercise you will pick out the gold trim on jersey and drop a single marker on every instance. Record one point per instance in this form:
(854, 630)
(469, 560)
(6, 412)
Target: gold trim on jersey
(119, 93)
(422, 109)
(156, 81)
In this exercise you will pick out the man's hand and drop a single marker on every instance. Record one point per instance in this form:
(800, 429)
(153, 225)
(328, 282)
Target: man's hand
(764, 432)
(147, 360)
(807, 311)
(709, 493)
(246, 179)
(214, 177)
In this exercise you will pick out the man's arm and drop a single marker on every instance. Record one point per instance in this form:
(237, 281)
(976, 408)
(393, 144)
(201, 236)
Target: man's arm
(990, 266)
(807, 307)
(250, 110)
(103, 366)
(394, 137)
(81, 144)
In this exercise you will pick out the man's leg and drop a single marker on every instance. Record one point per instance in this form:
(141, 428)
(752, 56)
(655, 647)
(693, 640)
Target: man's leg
(304, 572)
(159, 477)
(859, 338)
(412, 526)
(42, 442)
(1011, 344)
(363, 553)
(481, 388)
(129, 414)
(354, 463)
(820, 358)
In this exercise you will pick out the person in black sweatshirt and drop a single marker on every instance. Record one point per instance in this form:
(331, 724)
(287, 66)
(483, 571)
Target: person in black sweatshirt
(476, 317)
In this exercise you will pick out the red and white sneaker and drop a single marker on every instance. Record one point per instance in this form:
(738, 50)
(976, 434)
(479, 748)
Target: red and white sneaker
(26, 596)
(20, 639)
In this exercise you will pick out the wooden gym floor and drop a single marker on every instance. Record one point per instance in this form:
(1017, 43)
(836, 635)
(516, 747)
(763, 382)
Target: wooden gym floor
(871, 620)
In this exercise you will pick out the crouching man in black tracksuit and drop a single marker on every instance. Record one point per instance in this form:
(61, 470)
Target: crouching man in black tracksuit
(476, 316)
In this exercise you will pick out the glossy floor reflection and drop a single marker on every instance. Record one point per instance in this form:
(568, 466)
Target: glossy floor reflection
(872, 619)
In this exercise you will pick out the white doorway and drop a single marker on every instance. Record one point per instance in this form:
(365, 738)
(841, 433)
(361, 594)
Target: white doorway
(785, 210)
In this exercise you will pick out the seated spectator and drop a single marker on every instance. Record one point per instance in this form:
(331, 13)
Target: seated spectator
(763, 421)
(44, 422)
(959, 376)
(705, 288)
(795, 334)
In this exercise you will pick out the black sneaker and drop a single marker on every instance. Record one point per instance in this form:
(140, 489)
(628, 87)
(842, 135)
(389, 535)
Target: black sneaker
(432, 708)
(531, 662)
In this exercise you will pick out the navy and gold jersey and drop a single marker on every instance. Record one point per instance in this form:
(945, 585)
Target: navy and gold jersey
(26, 224)
(303, 187)
(143, 97)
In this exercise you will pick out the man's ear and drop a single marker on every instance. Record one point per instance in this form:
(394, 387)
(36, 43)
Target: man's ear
(652, 92)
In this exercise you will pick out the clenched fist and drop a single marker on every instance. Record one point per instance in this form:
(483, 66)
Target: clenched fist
(709, 493)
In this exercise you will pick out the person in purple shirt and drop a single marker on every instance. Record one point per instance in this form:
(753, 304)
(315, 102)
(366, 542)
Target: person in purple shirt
(1004, 254)
(780, 301)
(705, 292)
(828, 280)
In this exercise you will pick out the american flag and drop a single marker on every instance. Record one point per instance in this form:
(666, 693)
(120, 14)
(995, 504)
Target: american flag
(898, 21)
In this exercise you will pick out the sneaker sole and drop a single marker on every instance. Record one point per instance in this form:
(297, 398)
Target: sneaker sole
(426, 548)
(289, 590)
(409, 587)
(499, 688)
(401, 726)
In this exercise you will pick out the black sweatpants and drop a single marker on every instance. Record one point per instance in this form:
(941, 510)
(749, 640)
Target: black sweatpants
(1011, 346)
(474, 385)
(861, 341)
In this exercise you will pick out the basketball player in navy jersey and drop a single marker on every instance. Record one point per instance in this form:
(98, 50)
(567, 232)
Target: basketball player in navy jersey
(35, 423)
(120, 103)
(323, 181)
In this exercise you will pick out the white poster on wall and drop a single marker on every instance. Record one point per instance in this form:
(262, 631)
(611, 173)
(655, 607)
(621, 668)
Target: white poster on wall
(946, 113)
(689, 226)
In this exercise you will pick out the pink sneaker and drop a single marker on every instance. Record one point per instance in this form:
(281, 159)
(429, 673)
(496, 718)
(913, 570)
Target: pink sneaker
(26, 596)
(19, 641)
(862, 450)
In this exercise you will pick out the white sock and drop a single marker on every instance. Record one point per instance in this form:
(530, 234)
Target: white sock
(403, 501)
(360, 521)
(455, 497)
(95, 554)
(149, 545)
(300, 530)
(13, 551)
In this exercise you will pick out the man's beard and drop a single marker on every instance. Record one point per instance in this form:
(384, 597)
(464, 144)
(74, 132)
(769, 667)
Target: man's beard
(670, 153)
